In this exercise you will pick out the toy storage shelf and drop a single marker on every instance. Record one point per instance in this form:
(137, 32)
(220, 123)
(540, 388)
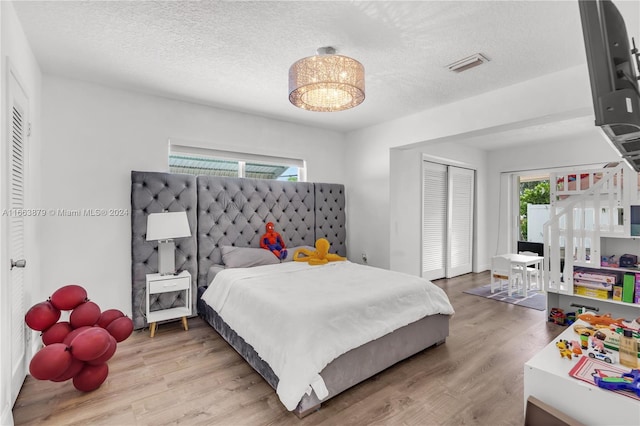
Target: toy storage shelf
(571, 302)
(609, 246)
(610, 268)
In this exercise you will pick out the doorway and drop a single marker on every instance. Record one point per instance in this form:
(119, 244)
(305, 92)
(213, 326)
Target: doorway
(534, 207)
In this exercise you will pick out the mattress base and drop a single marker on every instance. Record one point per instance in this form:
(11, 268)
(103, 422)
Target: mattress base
(349, 368)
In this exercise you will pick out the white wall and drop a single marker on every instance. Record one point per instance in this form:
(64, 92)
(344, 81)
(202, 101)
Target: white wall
(94, 136)
(16, 53)
(545, 99)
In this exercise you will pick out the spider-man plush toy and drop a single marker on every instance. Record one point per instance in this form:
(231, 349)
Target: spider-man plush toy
(271, 240)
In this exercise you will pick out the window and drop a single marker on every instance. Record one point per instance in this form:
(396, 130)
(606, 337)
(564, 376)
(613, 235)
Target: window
(203, 161)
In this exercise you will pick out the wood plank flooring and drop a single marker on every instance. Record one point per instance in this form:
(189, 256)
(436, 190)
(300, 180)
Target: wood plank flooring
(193, 377)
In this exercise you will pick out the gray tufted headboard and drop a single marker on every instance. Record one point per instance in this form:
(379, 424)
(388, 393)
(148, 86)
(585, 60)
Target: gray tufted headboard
(229, 211)
(330, 216)
(234, 211)
(154, 193)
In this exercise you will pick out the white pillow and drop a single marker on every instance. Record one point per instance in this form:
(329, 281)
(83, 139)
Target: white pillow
(291, 251)
(246, 257)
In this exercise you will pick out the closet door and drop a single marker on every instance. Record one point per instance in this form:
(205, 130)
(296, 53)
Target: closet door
(447, 220)
(460, 221)
(434, 220)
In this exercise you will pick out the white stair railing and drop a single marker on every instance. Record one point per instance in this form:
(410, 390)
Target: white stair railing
(580, 214)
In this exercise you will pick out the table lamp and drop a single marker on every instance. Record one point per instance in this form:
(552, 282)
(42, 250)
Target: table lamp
(164, 227)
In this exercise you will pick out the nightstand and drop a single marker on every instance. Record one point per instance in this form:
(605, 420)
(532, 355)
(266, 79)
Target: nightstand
(156, 284)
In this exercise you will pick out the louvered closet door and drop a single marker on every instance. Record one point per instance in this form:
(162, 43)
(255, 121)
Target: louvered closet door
(460, 221)
(434, 220)
(18, 122)
(447, 220)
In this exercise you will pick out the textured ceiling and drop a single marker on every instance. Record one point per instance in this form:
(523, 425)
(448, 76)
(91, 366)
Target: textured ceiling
(236, 54)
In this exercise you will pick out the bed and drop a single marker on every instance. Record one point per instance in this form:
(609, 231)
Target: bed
(300, 318)
(399, 319)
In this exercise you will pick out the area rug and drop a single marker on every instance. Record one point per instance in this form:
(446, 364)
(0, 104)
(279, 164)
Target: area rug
(534, 300)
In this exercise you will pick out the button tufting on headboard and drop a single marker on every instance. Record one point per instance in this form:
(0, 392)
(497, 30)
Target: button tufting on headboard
(154, 193)
(330, 199)
(234, 211)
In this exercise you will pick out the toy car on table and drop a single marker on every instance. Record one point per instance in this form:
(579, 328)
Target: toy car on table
(606, 356)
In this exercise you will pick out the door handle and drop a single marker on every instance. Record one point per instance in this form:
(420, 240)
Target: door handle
(20, 263)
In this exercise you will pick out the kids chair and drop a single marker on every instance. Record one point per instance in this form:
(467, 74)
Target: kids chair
(532, 273)
(501, 271)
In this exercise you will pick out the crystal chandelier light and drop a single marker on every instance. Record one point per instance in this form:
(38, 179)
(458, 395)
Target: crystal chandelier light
(326, 82)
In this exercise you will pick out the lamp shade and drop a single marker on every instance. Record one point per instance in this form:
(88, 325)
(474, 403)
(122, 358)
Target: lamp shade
(326, 82)
(165, 226)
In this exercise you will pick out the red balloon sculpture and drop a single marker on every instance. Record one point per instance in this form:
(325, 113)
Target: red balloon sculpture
(69, 337)
(68, 297)
(56, 333)
(107, 316)
(120, 328)
(73, 369)
(42, 316)
(87, 313)
(77, 349)
(50, 361)
(90, 377)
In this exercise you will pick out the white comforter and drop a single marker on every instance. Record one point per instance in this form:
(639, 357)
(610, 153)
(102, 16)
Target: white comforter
(299, 318)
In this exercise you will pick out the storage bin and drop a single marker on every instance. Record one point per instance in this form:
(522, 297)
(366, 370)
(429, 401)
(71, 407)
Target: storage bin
(591, 292)
(597, 277)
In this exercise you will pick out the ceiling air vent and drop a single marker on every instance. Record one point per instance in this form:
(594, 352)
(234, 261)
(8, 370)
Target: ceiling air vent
(468, 63)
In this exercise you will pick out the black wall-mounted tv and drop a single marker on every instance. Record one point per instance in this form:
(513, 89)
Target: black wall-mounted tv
(613, 77)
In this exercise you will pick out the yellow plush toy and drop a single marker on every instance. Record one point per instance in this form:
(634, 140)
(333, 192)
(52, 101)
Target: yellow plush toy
(320, 256)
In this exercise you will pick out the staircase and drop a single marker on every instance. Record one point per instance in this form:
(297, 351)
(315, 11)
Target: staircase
(585, 206)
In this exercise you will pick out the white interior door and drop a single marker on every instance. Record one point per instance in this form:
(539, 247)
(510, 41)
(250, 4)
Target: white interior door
(447, 220)
(18, 124)
(460, 221)
(434, 220)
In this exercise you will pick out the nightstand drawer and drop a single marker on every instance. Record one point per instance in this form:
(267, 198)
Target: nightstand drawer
(172, 284)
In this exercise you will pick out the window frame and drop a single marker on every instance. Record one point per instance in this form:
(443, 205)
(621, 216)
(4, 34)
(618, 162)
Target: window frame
(241, 157)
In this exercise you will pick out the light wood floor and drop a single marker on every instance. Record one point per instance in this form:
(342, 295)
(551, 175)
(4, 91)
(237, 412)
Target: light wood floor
(194, 377)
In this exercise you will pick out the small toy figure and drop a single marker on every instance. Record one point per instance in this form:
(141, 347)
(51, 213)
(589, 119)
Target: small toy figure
(604, 320)
(553, 312)
(575, 347)
(563, 346)
(272, 240)
(597, 344)
(557, 316)
(584, 340)
(320, 256)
